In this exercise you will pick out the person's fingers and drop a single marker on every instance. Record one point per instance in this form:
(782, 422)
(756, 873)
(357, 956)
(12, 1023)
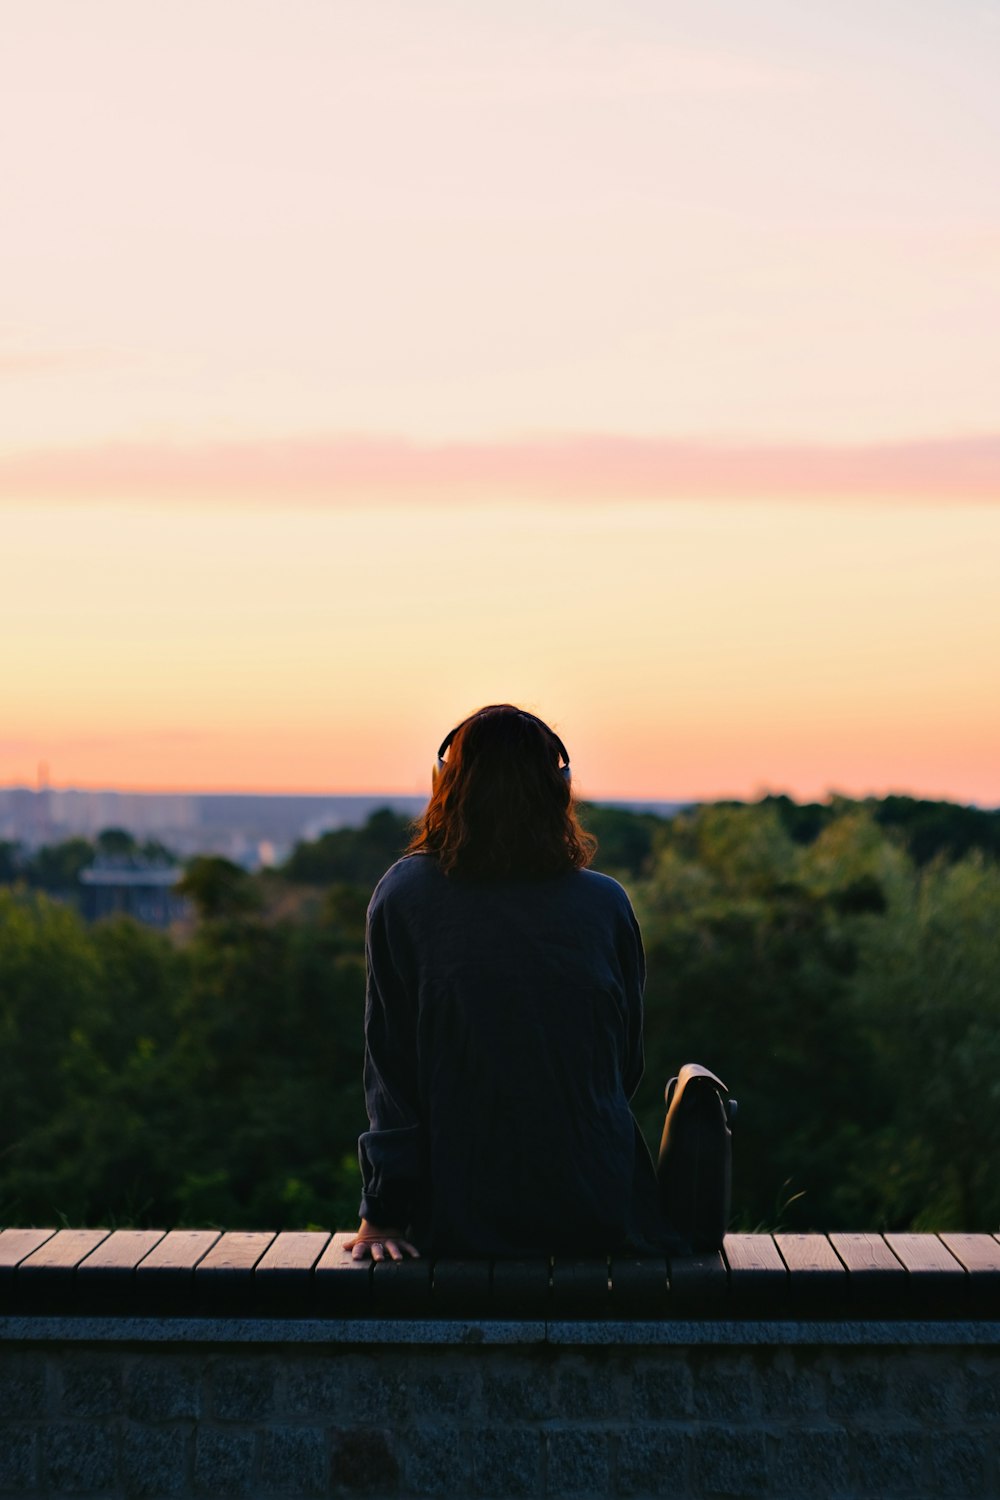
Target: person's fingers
(399, 1249)
(361, 1248)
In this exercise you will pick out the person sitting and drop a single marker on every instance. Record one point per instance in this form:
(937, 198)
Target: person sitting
(503, 1021)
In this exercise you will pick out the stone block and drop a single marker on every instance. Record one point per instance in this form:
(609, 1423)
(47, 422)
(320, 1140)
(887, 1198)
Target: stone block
(959, 1463)
(812, 1461)
(856, 1391)
(80, 1457)
(364, 1463)
(223, 1462)
(22, 1385)
(507, 1461)
(577, 1463)
(664, 1391)
(91, 1385)
(294, 1460)
(787, 1387)
(317, 1388)
(588, 1391)
(725, 1388)
(731, 1463)
(652, 1461)
(18, 1460)
(519, 1391)
(374, 1391)
(928, 1394)
(154, 1460)
(982, 1391)
(447, 1394)
(243, 1389)
(890, 1463)
(435, 1461)
(163, 1388)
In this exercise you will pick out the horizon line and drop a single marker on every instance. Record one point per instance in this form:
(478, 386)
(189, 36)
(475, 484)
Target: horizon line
(759, 795)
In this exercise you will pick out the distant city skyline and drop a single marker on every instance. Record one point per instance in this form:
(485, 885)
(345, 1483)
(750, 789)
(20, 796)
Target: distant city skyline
(253, 829)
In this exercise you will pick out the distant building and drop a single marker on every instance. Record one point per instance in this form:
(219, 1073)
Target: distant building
(144, 892)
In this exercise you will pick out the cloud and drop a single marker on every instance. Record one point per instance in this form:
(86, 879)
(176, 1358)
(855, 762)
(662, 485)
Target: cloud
(345, 470)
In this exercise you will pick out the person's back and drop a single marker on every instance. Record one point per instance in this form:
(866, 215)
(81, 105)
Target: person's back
(508, 1015)
(503, 1020)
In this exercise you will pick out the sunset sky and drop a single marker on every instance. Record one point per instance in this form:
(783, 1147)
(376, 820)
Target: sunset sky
(636, 363)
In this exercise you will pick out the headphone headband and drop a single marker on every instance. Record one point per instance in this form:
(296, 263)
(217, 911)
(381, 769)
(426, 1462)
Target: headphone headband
(522, 714)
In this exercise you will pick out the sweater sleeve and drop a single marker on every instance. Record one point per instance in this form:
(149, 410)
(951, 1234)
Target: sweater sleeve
(389, 1151)
(633, 962)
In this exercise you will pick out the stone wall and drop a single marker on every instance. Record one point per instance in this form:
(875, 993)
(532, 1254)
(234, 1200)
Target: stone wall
(479, 1410)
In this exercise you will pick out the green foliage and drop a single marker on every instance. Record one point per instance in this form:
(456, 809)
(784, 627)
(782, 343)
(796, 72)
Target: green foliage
(11, 861)
(57, 866)
(933, 828)
(351, 854)
(116, 841)
(844, 986)
(625, 838)
(217, 887)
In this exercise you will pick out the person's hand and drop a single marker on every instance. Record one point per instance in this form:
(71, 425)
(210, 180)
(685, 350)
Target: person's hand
(379, 1244)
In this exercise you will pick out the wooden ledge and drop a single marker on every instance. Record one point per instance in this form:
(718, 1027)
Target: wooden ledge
(208, 1273)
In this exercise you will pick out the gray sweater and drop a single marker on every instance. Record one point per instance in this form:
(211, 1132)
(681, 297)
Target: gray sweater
(503, 1041)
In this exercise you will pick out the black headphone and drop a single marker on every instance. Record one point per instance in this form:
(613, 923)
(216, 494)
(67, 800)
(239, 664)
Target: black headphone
(522, 714)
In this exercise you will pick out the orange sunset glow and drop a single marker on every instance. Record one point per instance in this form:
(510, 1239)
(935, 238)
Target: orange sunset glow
(639, 366)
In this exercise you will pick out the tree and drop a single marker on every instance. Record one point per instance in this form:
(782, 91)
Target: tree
(56, 867)
(217, 887)
(11, 862)
(360, 855)
(115, 842)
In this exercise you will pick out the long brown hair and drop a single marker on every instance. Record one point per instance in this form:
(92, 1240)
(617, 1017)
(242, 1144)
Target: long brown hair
(501, 806)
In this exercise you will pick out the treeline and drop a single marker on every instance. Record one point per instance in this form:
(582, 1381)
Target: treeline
(56, 867)
(836, 964)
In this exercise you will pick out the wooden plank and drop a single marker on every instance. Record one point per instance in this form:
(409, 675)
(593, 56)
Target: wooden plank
(224, 1277)
(520, 1288)
(293, 1251)
(874, 1275)
(402, 1288)
(930, 1264)
(579, 1288)
(164, 1279)
(46, 1278)
(936, 1282)
(105, 1280)
(178, 1253)
(460, 1287)
(697, 1282)
(283, 1276)
(120, 1253)
(754, 1257)
(16, 1245)
(758, 1277)
(980, 1255)
(342, 1286)
(639, 1286)
(62, 1252)
(817, 1277)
